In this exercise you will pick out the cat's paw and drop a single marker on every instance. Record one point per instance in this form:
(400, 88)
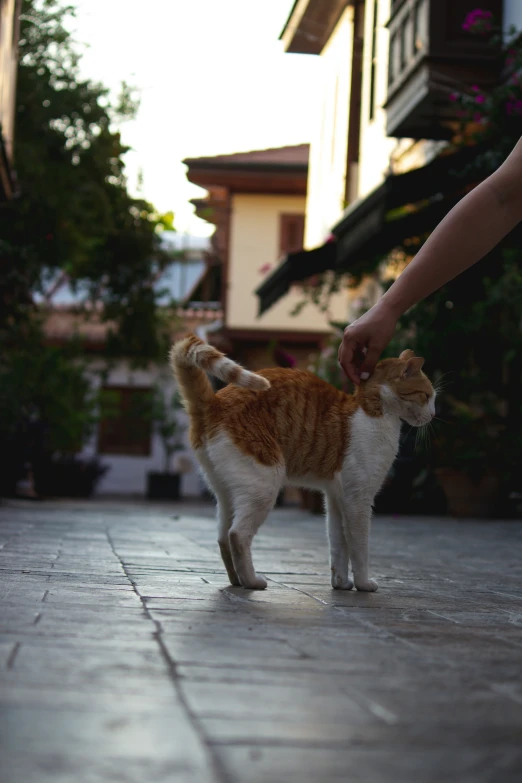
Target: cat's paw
(341, 583)
(369, 586)
(340, 579)
(258, 583)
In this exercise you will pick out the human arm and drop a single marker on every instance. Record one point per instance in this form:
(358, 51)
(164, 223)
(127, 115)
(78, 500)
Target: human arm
(468, 232)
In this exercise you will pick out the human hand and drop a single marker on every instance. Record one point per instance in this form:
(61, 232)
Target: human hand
(364, 341)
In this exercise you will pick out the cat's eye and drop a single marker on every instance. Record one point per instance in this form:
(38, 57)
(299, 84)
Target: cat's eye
(414, 396)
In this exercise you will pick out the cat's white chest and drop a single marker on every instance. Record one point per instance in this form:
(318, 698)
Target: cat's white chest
(373, 446)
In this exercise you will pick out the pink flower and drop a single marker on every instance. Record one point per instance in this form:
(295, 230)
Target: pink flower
(514, 107)
(478, 21)
(477, 117)
(283, 358)
(480, 99)
(454, 96)
(263, 270)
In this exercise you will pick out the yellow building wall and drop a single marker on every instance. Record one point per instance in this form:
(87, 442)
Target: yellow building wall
(254, 242)
(329, 146)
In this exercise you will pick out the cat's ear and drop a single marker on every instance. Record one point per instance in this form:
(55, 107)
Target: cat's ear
(413, 367)
(407, 354)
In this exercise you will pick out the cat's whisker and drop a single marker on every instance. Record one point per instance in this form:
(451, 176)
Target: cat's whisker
(439, 379)
(423, 437)
(417, 438)
(442, 384)
(434, 433)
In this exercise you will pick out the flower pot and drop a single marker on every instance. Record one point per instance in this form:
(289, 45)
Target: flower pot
(466, 497)
(163, 486)
(68, 476)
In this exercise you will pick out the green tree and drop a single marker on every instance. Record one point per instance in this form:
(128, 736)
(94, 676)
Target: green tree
(74, 216)
(75, 221)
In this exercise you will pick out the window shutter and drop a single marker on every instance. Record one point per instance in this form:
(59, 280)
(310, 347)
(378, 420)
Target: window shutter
(291, 233)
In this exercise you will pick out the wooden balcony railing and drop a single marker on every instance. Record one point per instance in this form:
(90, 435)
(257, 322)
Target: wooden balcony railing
(430, 56)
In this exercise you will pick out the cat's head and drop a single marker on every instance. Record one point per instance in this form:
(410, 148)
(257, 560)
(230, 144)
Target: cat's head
(400, 387)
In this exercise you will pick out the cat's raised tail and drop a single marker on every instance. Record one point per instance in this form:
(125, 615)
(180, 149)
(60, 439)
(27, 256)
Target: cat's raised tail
(192, 358)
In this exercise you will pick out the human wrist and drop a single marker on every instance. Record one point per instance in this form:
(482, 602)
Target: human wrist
(391, 306)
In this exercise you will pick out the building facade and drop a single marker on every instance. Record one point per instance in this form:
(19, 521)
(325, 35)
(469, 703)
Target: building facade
(257, 201)
(389, 67)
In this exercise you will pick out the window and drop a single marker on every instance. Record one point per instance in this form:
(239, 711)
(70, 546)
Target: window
(392, 64)
(291, 233)
(404, 44)
(124, 428)
(418, 32)
(373, 68)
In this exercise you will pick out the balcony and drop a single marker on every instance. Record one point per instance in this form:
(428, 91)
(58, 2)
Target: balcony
(430, 56)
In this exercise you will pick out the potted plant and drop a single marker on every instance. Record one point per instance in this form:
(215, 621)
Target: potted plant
(48, 410)
(468, 462)
(164, 413)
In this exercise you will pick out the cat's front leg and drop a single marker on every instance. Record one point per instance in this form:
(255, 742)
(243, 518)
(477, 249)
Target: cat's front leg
(358, 532)
(339, 552)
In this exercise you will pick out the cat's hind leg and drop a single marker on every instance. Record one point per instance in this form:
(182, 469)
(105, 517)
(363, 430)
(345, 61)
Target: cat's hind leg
(253, 489)
(251, 510)
(225, 513)
(339, 551)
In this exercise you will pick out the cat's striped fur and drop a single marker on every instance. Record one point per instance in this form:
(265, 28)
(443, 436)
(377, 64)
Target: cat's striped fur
(283, 426)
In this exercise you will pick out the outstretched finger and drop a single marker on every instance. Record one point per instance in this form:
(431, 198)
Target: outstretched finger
(370, 360)
(347, 353)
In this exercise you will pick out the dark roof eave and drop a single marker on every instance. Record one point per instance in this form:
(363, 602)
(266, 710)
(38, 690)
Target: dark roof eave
(200, 164)
(297, 267)
(364, 231)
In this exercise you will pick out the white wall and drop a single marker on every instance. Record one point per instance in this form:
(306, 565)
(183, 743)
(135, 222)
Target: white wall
(127, 475)
(329, 146)
(375, 146)
(512, 14)
(8, 71)
(254, 242)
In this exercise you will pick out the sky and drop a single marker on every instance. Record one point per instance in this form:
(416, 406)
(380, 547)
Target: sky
(213, 79)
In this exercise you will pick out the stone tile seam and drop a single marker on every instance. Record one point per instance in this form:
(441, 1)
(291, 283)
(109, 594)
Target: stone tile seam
(215, 764)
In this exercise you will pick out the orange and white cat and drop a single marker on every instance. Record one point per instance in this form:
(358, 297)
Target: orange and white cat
(283, 426)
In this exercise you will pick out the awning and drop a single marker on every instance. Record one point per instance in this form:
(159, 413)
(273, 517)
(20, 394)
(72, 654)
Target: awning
(296, 267)
(405, 205)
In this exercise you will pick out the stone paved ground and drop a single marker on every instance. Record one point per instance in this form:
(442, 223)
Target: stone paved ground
(124, 656)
